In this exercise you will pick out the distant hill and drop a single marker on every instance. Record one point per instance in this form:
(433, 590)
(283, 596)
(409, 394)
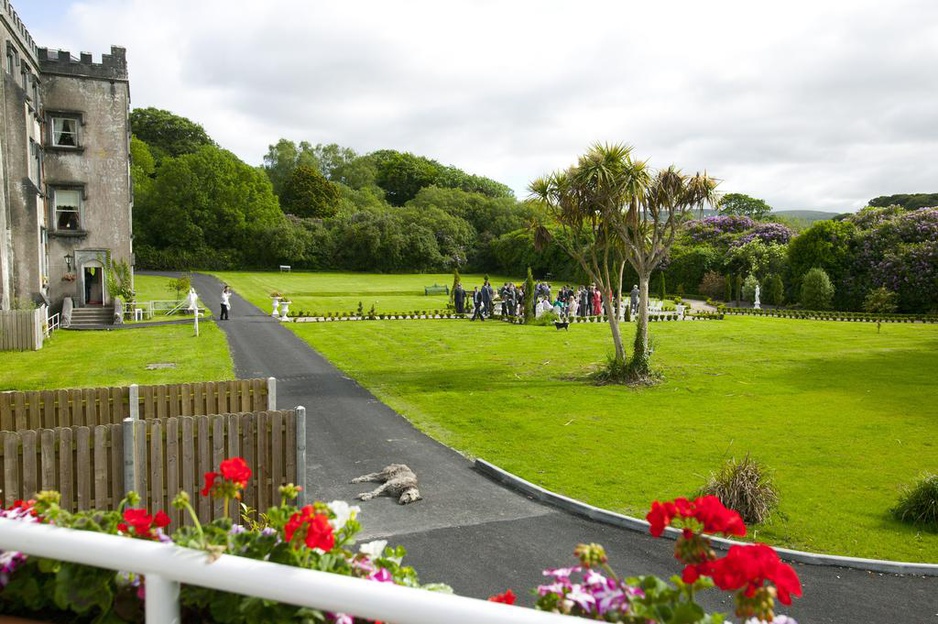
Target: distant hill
(809, 216)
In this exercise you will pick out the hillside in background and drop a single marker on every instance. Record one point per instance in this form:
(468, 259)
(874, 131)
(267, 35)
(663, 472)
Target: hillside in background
(809, 216)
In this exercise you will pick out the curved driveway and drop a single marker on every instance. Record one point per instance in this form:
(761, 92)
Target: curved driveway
(472, 533)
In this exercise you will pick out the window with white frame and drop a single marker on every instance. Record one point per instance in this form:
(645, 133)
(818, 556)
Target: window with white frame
(66, 208)
(35, 162)
(65, 130)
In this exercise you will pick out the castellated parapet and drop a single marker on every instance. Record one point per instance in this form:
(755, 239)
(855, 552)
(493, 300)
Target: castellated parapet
(113, 66)
(16, 26)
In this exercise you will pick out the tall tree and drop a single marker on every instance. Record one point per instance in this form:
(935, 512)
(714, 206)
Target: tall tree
(166, 134)
(209, 201)
(616, 210)
(652, 217)
(585, 201)
(307, 193)
(909, 201)
(285, 156)
(402, 175)
(333, 158)
(744, 206)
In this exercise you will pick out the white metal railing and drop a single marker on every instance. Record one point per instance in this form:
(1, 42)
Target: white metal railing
(166, 566)
(52, 323)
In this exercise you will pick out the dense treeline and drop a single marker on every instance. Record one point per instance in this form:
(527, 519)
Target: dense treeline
(320, 207)
(325, 207)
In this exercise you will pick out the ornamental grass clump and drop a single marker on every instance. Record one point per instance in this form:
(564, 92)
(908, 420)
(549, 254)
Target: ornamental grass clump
(744, 485)
(918, 504)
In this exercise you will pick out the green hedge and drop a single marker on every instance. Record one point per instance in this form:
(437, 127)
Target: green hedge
(831, 315)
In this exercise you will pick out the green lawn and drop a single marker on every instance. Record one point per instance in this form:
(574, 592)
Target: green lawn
(153, 288)
(342, 292)
(83, 359)
(842, 414)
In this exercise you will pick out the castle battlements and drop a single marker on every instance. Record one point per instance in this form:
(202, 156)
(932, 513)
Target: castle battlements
(17, 27)
(113, 66)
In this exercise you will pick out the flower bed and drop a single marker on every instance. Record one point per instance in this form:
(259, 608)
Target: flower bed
(320, 537)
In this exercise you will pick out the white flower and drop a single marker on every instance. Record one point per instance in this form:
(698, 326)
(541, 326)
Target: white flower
(343, 513)
(373, 549)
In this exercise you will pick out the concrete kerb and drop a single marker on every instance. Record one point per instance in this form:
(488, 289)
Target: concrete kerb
(634, 524)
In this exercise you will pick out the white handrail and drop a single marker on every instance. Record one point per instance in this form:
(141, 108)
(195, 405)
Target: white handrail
(164, 565)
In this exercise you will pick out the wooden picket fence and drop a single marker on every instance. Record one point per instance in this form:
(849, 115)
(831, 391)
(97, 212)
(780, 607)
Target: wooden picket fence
(22, 330)
(49, 409)
(93, 467)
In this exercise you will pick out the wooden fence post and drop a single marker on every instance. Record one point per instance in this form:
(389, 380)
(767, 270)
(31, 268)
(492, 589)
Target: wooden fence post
(303, 498)
(127, 428)
(130, 455)
(134, 401)
(271, 394)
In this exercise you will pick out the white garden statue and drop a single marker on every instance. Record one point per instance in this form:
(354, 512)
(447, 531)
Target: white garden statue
(757, 304)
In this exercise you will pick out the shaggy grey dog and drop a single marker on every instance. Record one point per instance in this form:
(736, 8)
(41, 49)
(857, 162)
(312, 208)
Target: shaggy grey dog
(396, 480)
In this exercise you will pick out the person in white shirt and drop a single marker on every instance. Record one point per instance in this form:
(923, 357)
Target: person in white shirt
(225, 303)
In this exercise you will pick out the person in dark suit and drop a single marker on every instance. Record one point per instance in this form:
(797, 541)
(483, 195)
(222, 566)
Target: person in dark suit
(459, 298)
(488, 298)
(478, 303)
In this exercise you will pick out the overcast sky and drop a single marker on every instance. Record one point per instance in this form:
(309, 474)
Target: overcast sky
(806, 104)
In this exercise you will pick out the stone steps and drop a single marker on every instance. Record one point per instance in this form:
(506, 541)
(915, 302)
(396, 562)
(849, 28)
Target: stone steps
(92, 317)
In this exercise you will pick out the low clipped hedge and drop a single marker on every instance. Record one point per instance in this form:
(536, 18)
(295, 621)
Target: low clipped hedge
(834, 315)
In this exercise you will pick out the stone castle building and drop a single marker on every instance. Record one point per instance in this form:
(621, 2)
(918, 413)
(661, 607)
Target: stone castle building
(65, 188)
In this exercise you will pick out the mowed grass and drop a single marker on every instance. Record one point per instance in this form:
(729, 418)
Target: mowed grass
(154, 288)
(843, 415)
(342, 292)
(85, 359)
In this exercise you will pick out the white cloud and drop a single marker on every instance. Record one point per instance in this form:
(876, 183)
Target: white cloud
(804, 104)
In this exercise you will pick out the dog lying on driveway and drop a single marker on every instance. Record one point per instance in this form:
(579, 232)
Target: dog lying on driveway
(396, 480)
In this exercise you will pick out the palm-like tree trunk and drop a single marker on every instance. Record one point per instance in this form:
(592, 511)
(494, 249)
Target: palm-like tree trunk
(638, 366)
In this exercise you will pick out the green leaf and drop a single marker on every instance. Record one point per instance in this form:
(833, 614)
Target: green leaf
(687, 613)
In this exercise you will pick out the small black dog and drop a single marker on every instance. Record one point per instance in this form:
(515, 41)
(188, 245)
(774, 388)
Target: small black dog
(565, 325)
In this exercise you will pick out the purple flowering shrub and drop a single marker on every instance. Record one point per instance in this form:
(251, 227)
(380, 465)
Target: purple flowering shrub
(871, 217)
(719, 228)
(911, 270)
(767, 233)
(900, 252)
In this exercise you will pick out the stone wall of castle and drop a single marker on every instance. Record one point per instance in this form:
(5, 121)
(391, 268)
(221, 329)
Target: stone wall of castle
(65, 133)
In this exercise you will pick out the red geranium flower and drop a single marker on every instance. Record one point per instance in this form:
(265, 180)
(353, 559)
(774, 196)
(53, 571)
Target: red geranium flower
(209, 482)
(314, 528)
(750, 567)
(234, 476)
(707, 510)
(716, 518)
(508, 597)
(660, 517)
(236, 470)
(139, 523)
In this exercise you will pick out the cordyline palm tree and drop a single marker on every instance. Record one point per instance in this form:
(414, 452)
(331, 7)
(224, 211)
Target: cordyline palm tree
(614, 210)
(647, 231)
(585, 201)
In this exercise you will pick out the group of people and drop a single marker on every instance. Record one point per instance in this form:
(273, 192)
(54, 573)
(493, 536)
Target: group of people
(584, 301)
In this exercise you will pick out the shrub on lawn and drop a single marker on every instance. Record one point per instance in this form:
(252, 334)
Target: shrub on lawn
(817, 292)
(745, 486)
(712, 285)
(918, 504)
